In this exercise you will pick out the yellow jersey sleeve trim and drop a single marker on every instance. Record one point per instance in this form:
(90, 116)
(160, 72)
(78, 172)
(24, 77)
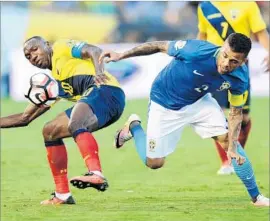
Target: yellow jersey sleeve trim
(237, 100)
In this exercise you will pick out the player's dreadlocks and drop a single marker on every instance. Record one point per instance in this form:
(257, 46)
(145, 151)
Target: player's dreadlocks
(239, 43)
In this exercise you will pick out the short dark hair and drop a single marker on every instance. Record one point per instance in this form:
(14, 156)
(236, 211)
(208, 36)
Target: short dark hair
(239, 43)
(39, 38)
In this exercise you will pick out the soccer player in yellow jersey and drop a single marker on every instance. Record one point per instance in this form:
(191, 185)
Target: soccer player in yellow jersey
(99, 102)
(216, 21)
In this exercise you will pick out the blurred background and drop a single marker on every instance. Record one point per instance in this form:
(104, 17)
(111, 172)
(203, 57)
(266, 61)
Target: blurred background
(117, 25)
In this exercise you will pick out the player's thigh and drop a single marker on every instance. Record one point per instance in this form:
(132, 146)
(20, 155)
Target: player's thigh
(209, 119)
(82, 118)
(57, 128)
(223, 140)
(102, 107)
(164, 130)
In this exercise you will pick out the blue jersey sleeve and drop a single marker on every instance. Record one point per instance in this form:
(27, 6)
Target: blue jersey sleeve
(240, 80)
(239, 89)
(185, 50)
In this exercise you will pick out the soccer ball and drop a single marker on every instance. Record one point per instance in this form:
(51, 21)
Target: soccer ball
(43, 90)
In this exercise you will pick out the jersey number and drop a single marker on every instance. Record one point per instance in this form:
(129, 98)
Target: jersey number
(67, 88)
(225, 27)
(204, 87)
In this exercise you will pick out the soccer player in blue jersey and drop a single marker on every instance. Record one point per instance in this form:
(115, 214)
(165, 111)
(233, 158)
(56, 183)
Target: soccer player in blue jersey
(180, 96)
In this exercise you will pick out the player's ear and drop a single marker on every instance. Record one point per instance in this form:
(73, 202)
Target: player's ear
(48, 43)
(244, 61)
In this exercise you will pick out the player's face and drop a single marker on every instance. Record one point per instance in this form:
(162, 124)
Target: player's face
(38, 54)
(229, 60)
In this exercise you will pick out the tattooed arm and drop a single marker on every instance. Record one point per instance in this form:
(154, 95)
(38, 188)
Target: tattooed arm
(23, 119)
(143, 49)
(147, 49)
(234, 119)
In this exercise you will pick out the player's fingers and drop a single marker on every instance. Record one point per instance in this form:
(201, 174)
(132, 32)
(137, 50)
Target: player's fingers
(97, 81)
(108, 60)
(103, 55)
(241, 160)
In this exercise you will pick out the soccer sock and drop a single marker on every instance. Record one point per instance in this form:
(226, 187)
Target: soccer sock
(140, 141)
(89, 149)
(222, 154)
(57, 158)
(246, 174)
(243, 136)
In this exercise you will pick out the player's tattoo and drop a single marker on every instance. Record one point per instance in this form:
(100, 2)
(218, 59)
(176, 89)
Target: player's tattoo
(93, 52)
(147, 49)
(234, 119)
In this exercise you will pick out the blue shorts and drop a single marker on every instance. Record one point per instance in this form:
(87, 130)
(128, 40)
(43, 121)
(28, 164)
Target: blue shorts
(107, 103)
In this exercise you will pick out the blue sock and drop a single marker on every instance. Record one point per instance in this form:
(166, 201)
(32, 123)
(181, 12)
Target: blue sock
(246, 173)
(140, 141)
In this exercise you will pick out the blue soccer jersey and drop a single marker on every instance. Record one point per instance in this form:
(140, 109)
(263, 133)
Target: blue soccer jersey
(193, 73)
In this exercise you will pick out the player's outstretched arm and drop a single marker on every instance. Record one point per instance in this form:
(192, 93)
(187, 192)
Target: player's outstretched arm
(23, 119)
(143, 49)
(235, 119)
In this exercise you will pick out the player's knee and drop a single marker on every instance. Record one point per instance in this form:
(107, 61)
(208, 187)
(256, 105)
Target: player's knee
(49, 131)
(223, 140)
(73, 126)
(90, 124)
(246, 118)
(155, 163)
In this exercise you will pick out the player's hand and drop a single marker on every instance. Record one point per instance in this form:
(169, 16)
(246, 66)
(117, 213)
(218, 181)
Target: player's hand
(101, 79)
(108, 56)
(266, 63)
(234, 155)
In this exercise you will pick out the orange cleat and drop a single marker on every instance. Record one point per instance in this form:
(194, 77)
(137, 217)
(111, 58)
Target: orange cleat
(56, 201)
(90, 180)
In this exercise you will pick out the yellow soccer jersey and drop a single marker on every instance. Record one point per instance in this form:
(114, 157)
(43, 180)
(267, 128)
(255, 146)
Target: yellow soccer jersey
(219, 19)
(74, 75)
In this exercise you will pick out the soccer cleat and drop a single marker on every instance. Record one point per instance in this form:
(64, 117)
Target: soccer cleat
(123, 135)
(56, 201)
(226, 170)
(261, 201)
(90, 180)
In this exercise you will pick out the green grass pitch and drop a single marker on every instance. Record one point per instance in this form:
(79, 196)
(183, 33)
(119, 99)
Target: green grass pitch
(186, 189)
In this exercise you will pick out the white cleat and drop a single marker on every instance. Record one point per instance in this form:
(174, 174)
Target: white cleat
(261, 201)
(123, 135)
(226, 170)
